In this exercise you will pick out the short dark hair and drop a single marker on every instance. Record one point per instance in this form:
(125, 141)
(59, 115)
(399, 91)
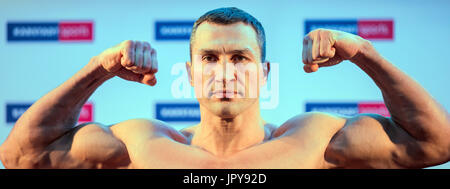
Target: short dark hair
(231, 15)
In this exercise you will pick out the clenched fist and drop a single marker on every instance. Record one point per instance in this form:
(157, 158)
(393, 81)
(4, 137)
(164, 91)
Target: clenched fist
(323, 47)
(131, 60)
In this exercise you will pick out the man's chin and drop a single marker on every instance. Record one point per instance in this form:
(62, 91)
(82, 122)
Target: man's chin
(227, 107)
(226, 112)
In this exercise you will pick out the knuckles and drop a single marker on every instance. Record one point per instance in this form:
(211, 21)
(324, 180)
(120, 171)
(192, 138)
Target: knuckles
(136, 56)
(128, 43)
(137, 53)
(318, 34)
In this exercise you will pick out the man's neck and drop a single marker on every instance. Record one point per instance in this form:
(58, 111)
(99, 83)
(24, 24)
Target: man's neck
(227, 136)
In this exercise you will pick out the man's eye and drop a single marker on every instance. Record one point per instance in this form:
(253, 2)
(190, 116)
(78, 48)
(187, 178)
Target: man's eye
(238, 58)
(209, 58)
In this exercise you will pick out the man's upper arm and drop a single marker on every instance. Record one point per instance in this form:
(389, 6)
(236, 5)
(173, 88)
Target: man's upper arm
(374, 141)
(89, 145)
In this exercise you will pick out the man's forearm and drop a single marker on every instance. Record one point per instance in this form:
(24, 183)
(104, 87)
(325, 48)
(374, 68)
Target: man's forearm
(58, 111)
(411, 107)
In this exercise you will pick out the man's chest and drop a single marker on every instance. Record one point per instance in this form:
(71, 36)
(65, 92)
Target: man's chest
(284, 152)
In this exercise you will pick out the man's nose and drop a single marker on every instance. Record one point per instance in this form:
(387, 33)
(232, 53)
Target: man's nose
(225, 72)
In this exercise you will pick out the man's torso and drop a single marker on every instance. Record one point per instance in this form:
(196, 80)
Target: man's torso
(301, 142)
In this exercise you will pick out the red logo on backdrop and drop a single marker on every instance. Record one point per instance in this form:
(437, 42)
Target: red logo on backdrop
(86, 113)
(75, 31)
(374, 108)
(376, 29)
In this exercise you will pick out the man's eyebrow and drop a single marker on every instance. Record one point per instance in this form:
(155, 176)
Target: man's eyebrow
(234, 51)
(241, 51)
(209, 51)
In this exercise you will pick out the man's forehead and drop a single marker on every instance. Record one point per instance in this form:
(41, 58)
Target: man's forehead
(238, 26)
(217, 36)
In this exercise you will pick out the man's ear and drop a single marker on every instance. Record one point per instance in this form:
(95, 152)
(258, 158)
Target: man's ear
(266, 70)
(189, 73)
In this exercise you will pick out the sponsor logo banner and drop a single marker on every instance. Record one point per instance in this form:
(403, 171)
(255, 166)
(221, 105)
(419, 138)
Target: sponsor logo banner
(178, 112)
(348, 109)
(15, 110)
(86, 113)
(349, 26)
(173, 30)
(373, 29)
(374, 108)
(65, 31)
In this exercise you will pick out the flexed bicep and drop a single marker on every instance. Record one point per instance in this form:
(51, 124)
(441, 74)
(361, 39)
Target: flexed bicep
(88, 145)
(374, 141)
(95, 144)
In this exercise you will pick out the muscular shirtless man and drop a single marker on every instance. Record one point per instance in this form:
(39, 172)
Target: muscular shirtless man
(232, 134)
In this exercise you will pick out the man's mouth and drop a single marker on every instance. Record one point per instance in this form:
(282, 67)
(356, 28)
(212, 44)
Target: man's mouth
(225, 94)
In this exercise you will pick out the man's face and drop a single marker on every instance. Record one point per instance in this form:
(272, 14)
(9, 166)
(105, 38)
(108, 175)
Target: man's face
(226, 70)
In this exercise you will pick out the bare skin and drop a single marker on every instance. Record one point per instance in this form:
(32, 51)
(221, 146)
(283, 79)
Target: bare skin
(232, 134)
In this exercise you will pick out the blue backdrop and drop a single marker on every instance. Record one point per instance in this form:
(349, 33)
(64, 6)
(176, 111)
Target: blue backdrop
(31, 67)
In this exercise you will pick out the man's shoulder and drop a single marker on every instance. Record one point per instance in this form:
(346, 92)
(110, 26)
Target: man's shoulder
(147, 128)
(311, 120)
(141, 122)
(140, 125)
(316, 117)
